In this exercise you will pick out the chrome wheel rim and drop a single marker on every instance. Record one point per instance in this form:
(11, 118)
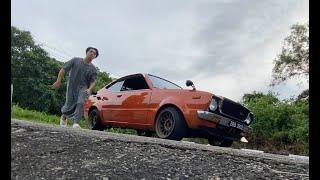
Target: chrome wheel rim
(93, 120)
(165, 124)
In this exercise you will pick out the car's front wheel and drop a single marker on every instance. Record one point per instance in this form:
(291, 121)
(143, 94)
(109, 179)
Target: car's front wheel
(215, 141)
(170, 124)
(94, 121)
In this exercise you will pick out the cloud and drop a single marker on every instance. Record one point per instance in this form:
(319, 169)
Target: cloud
(224, 46)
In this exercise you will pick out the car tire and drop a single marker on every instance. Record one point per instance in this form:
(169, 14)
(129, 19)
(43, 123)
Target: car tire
(170, 124)
(144, 133)
(94, 120)
(214, 141)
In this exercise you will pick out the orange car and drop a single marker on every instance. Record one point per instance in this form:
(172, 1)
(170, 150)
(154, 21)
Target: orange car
(151, 104)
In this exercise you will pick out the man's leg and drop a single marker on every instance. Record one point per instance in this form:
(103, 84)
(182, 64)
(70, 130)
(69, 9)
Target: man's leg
(63, 120)
(77, 115)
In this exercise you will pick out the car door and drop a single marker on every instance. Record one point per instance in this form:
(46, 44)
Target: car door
(109, 100)
(132, 102)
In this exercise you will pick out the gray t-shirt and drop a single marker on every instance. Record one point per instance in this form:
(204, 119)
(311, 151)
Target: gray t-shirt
(80, 77)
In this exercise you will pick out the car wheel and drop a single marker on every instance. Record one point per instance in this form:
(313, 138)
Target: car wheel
(144, 133)
(94, 122)
(170, 124)
(214, 141)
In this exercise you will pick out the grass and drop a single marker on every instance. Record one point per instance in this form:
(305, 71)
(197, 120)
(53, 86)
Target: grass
(31, 115)
(36, 116)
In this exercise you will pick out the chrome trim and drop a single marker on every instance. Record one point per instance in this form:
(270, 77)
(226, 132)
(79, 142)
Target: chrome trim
(209, 116)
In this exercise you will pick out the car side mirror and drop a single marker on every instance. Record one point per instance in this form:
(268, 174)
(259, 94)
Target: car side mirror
(190, 83)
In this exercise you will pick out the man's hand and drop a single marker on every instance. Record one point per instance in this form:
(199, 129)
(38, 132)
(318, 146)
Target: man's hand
(88, 92)
(56, 85)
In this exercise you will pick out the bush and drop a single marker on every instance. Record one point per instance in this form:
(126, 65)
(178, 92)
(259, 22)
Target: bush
(278, 123)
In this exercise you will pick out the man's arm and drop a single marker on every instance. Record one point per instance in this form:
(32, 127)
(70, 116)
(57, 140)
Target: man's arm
(56, 85)
(90, 89)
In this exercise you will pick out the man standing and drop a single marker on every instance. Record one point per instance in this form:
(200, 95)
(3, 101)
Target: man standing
(82, 76)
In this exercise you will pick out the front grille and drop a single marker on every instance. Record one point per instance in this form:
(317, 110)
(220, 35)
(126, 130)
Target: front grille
(233, 109)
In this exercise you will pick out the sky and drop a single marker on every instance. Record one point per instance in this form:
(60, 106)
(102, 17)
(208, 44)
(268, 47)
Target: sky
(226, 47)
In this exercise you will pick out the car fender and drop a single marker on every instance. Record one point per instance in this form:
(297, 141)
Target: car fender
(98, 106)
(177, 102)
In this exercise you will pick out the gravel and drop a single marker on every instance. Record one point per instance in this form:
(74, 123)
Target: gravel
(42, 151)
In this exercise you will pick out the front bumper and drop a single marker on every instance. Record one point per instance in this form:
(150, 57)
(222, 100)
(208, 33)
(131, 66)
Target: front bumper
(218, 119)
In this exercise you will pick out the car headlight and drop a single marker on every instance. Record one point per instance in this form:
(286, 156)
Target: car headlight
(249, 119)
(213, 104)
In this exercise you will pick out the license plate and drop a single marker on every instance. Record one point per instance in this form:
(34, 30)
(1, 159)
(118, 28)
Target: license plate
(236, 125)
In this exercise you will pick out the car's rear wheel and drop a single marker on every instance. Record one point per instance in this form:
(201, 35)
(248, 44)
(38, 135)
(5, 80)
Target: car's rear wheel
(94, 121)
(215, 141)
(170, 124)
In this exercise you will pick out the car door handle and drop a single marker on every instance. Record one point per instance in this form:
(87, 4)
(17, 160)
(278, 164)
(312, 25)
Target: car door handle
(119, 95)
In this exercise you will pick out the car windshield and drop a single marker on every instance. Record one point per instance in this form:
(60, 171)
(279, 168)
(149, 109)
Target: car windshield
(115, 87)
(162, 83)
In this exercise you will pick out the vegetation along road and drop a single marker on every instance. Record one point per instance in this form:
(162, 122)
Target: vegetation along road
(43, 151)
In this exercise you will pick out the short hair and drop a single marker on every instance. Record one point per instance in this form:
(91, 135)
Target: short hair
(97, 52)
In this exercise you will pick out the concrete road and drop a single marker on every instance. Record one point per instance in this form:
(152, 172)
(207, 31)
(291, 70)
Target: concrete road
(42, 151)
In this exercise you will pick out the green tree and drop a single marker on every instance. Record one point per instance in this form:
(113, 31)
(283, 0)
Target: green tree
(279, 123)
(103, 79)
(303, 96)
(251, 96)
(33, 70)
(293, 61)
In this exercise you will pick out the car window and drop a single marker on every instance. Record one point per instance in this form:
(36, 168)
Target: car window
(116, 87)
(162, 83)
(134, 83)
